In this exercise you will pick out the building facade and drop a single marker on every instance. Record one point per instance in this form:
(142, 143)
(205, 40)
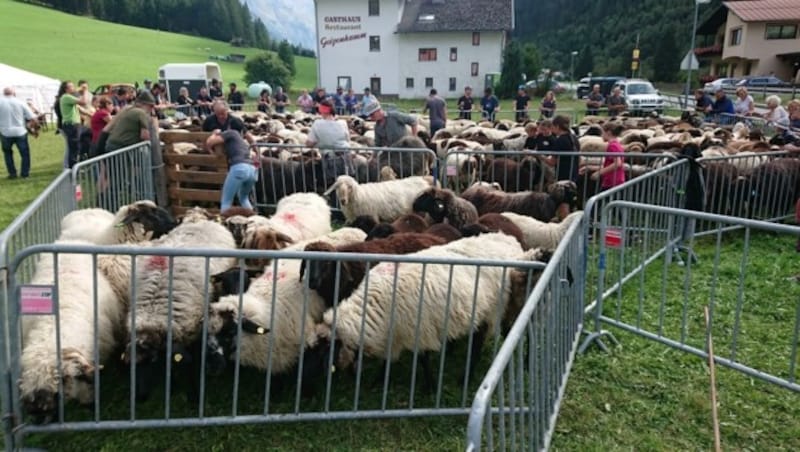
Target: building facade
(404, 48)
(752, 38)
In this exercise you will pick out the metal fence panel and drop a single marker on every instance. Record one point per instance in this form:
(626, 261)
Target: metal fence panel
(112, 180)
(519, 399)
(664, 304)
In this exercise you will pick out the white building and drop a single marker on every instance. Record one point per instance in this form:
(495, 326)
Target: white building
(406, 47)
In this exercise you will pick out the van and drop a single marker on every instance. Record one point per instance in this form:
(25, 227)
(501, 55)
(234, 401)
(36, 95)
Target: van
(606, 84)
(193, 76)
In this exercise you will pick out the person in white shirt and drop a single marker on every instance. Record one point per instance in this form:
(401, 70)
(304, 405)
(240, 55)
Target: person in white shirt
(744, 104)
(14, 115)
(332, 137)
(775, 113)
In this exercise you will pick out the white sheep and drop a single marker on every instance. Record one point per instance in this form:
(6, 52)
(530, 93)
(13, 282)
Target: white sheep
(385, 200)
(135, 222)
(299, 216)
(291, 296)
(493, 291)
(539, 234)
(39, 384)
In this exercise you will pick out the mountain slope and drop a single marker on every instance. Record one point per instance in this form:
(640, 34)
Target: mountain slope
(292, 20)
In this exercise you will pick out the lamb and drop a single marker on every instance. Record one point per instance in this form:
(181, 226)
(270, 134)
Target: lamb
(296, 311)
(443, 205)
(447, 308)
(322, 273)
(76, 279)
(538, 234)
(385, 200)
(407, 223)
(542, 206)
(494, 222)
(136, 222)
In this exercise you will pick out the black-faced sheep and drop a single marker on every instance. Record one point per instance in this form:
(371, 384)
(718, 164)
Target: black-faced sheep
(443, 205)
(142, 220)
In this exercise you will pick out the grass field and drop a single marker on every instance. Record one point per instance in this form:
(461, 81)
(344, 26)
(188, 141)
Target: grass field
(69, 47)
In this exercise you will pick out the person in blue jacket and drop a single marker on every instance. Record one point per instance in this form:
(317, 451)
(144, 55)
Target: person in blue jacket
(722, 108)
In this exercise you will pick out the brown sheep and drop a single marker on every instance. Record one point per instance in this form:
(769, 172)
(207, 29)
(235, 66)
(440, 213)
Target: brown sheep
(495, 222)
(542, 206)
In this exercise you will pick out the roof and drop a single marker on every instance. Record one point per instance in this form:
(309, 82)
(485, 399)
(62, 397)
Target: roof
(456, 15)
(765, 10)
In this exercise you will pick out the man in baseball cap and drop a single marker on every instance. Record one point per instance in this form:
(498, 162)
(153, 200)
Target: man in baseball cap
(390, 126)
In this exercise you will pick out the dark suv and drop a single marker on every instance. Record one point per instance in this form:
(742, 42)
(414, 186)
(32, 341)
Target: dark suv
(606, 84)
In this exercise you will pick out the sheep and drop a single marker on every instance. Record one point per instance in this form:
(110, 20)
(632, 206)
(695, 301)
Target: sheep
(539, 234)
(236, 220)
(542, 206)
(522, 283)
(527, 174)
(296, 311)
(78, 288)
(322, 273)
(445, 231)
(142, 220)
(407, 223)
(153, 294)
(443, 205)
(494, 222)
(383, 300)
(385, 200)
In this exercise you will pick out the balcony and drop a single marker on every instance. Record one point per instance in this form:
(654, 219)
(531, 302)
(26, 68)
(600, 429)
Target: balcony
(708, 51)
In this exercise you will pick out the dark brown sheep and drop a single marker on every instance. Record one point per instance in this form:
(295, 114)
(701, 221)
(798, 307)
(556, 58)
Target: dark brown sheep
(541, 206)
(407, 223)
(495, 222)
(445, 231)
(443, 205)
(527, 174)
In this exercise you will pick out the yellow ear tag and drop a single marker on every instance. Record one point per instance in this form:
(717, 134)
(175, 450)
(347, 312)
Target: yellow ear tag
(333, 369)
(260, 330)
(178, 358)
(101, 367)
(122, 357)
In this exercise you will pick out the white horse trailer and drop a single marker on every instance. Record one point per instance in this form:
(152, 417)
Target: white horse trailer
(191, 75)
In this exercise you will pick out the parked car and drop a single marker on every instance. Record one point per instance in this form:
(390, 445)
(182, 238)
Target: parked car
(606, 83)
(720, 83)
(641, 97)
(111, 88)
(556, 87)
(763, 82)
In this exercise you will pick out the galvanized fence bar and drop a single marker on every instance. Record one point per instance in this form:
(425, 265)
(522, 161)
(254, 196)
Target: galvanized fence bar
(112, 180)
(755, 336)
(518, 401)
(236, 397)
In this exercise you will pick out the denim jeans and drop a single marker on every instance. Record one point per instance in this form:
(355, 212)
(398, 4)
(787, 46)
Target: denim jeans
(24, 152)
(72, 133)
(239, 183)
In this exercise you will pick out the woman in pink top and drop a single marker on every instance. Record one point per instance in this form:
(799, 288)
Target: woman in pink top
(613, 170)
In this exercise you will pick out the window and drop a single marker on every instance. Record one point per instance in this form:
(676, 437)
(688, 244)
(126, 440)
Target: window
(374, 43)
(474, 69)
(409, 83)
(374, 8)
(375, 85)
(427, 54)
(428, 82)
(748, 68)
(344, 81)
(452, 83)
(453, 54)
(476, 38)
(736, 37)
(777, 31)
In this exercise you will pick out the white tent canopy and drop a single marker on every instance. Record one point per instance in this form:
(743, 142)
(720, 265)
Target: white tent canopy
(40, 90)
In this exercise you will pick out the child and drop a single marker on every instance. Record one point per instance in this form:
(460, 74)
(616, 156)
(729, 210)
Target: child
(613, 169)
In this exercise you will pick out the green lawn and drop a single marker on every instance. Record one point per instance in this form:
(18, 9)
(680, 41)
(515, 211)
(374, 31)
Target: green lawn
(69, 47)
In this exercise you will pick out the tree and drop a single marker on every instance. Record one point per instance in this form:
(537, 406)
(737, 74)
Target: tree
(585, 63)
(666, 58)
(286, 54)
(267, 67)
(530, 61)
(511, 73)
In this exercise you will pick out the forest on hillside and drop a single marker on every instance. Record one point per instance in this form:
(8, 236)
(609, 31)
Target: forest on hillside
(221, 20)
(604, 33)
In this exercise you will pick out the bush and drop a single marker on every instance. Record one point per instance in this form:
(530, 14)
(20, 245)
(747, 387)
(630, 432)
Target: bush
(267, 67)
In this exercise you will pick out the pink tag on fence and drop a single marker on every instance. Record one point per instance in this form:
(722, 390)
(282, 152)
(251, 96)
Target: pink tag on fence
(78, 193)
(613, 238)
(451, 170)
(36, 300)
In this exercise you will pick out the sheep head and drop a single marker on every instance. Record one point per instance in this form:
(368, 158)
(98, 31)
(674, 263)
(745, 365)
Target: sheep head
(322, 274)
(265, 238)
(564, 192)
(154, 221)
(364, 222)
(345, 187)
(195, 215)
(223, 329)
(380, 231)
(433, 201)
(237, 224)
(228, 282)
(319, 351)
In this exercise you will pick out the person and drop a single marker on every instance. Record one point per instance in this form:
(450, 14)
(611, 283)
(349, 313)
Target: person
(438, 111)
(465, 103)
(389, 126)
(612, 172)
(793, 108)
(216, 90)
(185, 102)
(594, 101)
(565, 141)
(305, 102)
(722, 108)
(235, 98)
(318, 96)
(744, 104)
(544, 136)
(366, 100)
(161, 103)
(132, 124)
(281, 100)
(490, 105)
(350, 102)
(531, 130)
(548, 107)
(338, 101)
(70, 119)
(332, 137)
(702, 102)
(242, 174)
(775, 113)
(203, 101)
(14, 115)
(521, 104)
(100, 118)
(263, 101)
(615, 102)
(148, 85)
(119, 100)
(223, 120)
